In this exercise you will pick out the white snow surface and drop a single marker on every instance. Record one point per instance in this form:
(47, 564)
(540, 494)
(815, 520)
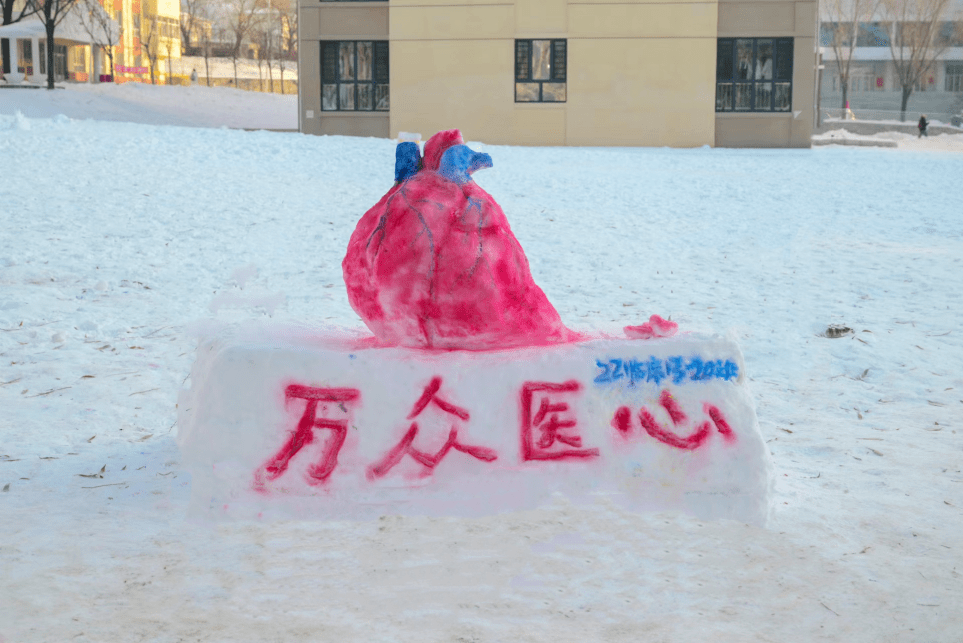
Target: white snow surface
(117, 239)
(190, 106)
(943, 142)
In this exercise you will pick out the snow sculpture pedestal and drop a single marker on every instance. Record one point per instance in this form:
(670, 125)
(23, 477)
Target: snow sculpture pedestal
(326, 428)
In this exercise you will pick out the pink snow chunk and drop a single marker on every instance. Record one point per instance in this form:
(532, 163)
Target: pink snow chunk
(655, 327)
(434, 263)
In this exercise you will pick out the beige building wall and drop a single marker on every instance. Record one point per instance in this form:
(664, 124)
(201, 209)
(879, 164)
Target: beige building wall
(337, 21)
(639, 72)
(453, 66)
(768, 19)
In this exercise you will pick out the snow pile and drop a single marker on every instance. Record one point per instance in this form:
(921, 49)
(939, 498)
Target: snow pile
(845, 137)
(933, 143)
(327, 428)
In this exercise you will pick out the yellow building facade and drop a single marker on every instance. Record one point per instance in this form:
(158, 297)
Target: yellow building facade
(562, 72)
(143, 22)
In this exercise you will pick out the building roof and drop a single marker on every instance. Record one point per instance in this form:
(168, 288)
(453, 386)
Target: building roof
(71, 28)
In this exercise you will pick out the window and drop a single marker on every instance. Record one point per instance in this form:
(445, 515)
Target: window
(164, 27)
(950, 34)
(354, 76)
(540, 71)
(865, 78)
(60, 62)
(25, 57)
(78, 57)
(954, 77)
(754, 75)
(873, 34)
(926, 83)
(827, 31)
(862, 82)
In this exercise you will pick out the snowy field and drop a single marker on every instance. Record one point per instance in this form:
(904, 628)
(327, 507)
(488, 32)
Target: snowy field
(902, 140)
(120, 240)
(194, 106)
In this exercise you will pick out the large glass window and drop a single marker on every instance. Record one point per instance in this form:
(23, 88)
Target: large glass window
(354, 76)
(25, 57)
(950, 34)
(873, 34)
(540, 71)
(754, 75)
(954, 77)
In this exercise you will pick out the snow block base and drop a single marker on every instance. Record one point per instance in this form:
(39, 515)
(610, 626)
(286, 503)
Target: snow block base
(325, 428)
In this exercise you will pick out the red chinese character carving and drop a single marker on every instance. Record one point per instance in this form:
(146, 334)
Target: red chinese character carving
(623, 417)
(546, 422)
(429, 461)
(303, 435)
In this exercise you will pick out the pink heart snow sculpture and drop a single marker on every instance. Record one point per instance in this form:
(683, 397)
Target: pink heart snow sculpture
(434, 263)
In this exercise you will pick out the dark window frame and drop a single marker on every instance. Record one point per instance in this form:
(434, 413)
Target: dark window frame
(953, 77)
(729, 76)
(558, 73)
(380, 75)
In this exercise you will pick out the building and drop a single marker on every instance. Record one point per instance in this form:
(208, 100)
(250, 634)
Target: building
(562, 72)
(148, 23)
(81, 43)
(25, 48)
(874, 89)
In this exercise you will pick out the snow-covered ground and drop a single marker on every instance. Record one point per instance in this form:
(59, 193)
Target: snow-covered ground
(118, 238)
(194, 106)
(942, 142)
(224, 68)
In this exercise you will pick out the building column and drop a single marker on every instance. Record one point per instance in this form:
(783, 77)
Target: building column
(37, 77)
(14, 76)
(95, 64)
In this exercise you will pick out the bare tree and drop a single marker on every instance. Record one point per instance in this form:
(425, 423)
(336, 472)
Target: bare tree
(169, 47)
(914, 43)
(844, 20)
(261, 37)
(265, 42)
(288, 34)
(12, 14)
(194, 14)
(149, 38)
(52, 13)
(269, 51)
(241, 19)
(288, 41)
(206, 44)
(102, 29)
(289, 28)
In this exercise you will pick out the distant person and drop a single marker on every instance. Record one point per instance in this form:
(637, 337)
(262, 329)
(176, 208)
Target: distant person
(193, 77)
(922, 126)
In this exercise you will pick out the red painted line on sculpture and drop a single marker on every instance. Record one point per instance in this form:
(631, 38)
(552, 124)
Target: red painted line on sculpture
(426, 396)
(531, 450)
(669, 404)
(322, 394)
(329, 459)
(721, 425)
(394, 455)
(668, 437)
(622, 421)
(428, 460)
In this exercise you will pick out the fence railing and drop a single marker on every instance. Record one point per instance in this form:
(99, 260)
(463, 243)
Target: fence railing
(890, 116)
